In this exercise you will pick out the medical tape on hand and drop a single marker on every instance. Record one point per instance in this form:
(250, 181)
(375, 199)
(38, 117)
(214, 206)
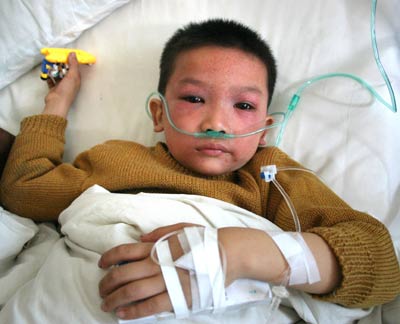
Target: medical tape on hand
(182, 262)
(199, 257)
(205, 255)
(215, 273)
(302, 264)
(172, 281)
(311, 265)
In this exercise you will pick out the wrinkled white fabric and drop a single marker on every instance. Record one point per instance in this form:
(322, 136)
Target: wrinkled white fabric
(65, 287)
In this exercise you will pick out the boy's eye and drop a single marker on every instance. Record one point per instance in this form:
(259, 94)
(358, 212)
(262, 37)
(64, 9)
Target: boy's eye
(193, 99)
(244, 106)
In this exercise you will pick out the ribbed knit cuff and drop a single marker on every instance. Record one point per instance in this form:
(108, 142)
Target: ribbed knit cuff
(355, 259)
(51, 125)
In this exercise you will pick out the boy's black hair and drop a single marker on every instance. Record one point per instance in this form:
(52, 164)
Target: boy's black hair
(218, 32)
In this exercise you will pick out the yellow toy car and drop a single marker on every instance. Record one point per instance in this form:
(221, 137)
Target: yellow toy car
(55, 62)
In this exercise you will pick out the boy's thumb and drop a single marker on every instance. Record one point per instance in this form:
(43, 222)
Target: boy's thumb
(72, 58)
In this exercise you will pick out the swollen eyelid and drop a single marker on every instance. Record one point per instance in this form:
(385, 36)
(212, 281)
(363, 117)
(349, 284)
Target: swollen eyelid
(193, 99)
(244, 106)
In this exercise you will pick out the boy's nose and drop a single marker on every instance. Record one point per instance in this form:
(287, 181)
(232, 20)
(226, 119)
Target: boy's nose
(215, 119)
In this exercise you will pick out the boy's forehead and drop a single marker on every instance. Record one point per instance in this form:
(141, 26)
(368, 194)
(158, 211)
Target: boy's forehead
(213, 56)
(204, 59)
(208, 51)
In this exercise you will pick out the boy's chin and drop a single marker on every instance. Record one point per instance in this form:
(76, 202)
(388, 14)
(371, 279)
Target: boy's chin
(211, 169)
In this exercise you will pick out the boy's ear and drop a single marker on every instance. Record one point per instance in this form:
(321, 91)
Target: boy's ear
(268, 121)
(156, 110)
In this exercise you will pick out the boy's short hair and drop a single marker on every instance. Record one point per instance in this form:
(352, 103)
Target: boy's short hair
(218, 32)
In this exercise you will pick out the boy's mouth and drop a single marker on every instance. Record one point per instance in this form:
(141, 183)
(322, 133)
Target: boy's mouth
(211, 149)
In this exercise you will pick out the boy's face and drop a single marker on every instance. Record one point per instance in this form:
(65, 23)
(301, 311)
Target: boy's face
(219, 89)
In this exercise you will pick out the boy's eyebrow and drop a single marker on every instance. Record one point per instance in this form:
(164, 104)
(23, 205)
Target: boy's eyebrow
(191, 81)
(238, 89)
(249, 89)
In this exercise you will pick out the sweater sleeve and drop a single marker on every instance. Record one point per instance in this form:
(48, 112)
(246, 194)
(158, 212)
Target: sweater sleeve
(35, 183)
(362, 244)
(369, 267)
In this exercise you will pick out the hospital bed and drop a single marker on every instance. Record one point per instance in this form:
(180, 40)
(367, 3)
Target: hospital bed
(338, 129)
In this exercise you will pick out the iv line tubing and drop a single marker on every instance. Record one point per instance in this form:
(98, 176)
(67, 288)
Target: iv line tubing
(365, 84)
(286, 196)
(378, 60)
(393, 106)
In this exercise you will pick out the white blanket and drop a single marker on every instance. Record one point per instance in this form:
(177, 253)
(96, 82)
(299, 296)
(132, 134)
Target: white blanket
(61, 286)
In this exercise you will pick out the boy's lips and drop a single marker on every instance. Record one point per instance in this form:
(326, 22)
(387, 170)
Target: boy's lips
(212, 149)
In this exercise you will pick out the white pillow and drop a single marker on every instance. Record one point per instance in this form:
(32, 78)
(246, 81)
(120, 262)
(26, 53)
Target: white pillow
(27, 26)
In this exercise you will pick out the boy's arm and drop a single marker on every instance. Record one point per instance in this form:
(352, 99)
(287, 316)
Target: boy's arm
(35, 182)
(258, 257)
(250, 253)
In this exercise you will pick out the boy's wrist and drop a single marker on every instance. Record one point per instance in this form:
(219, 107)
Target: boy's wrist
(56, 107)
(251, 254)
(233, 266)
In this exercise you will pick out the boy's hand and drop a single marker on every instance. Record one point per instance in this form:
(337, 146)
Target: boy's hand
(62, 94)
(137, 288)
(141, 280)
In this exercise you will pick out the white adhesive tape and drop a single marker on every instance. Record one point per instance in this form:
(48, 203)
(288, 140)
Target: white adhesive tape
(172, 281)
(302, 264)
(216, 275)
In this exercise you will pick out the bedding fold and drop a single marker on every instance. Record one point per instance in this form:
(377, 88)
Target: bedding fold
(64, 288)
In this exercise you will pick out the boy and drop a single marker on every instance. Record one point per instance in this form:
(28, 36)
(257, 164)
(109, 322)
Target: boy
(218, 77)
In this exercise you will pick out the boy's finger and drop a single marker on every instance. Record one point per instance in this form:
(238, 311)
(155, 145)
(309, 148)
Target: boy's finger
(157, 304)
(50, 83)
(124, 252)
(161, 231)
(134, 291)
(122, 275)
(73, 64)
(72, 60)
(73, 70)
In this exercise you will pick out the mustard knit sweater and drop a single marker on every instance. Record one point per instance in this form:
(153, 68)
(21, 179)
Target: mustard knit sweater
(37, 184)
